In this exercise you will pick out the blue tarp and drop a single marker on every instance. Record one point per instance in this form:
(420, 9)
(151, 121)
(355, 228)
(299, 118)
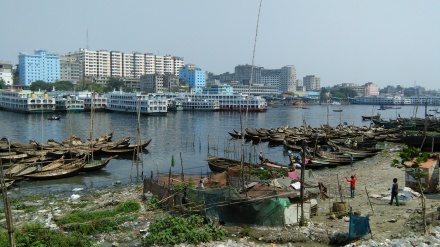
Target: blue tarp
(358, 227)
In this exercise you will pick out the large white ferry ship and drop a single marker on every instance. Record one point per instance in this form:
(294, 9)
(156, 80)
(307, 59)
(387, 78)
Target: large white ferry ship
(231, 102)
(188, 104)
(150, 104)
(26, 101)
(99, 100)
(69, 103)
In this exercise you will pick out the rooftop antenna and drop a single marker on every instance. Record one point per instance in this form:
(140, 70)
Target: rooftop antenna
(87, 38)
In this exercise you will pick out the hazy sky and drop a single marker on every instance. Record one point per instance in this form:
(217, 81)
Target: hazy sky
(391, 42)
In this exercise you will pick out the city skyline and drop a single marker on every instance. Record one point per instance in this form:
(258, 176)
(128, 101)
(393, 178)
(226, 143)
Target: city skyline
(387, 43)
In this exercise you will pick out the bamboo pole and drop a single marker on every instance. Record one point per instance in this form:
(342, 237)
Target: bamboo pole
(369, 202)
(302, 182)
(181, 164)
(7, 206)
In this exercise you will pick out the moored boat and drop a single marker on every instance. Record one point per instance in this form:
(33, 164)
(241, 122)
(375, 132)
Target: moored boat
(94, 165)
(64, 171)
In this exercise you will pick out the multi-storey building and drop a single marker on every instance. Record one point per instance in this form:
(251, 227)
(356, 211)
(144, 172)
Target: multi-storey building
(69, 68)
(116, 64)
(38, 66)
(6, 73)
(271, 77)
(242, 74)
(98, 66)
(258, 89)
(152, 83)
(219, 89)
(312, 83)
(150, 63)
(288, 79)
(195, 77)
(371, 89)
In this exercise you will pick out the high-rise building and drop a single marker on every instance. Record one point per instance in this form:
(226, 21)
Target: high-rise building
(271, 77)
(194, 77)
(98, 66)
(288, 79)
(40, 66)
(69, 69)
(6, 73)
(312, 83)
(242, 74)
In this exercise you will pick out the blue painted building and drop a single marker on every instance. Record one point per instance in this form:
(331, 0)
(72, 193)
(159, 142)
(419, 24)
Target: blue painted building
(195, 77)
(38, 66)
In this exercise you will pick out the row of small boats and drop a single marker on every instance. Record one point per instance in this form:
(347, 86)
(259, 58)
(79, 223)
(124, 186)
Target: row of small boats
(11, 152)
(53, 160)
(364, 136)
(59, 168)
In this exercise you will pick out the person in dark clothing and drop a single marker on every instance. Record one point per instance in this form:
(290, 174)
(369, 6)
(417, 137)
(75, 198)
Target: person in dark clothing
(394, 192)
(261, 157)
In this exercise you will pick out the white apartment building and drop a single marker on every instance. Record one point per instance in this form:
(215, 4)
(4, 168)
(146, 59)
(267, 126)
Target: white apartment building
(116, 63)
(98, 66)
(150, 63)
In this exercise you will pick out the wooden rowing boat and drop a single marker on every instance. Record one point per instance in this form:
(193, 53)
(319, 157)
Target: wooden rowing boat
(219, 164)
(8, 184)
(67, 170)
(53, 165)
(95, 165)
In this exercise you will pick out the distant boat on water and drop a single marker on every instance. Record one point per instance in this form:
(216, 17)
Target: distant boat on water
(337, 110)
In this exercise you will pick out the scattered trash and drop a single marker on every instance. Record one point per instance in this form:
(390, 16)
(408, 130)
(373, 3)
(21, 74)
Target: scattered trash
(74, 197)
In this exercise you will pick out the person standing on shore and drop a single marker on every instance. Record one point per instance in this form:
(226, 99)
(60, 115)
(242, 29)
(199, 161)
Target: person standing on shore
(351, 160)
(261, 157)
(394, 192)
(352, 182)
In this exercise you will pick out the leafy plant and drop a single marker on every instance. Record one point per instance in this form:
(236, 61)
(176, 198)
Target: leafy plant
(169, 230)
(152, 204)
(245, 231)
(37, 235)
(269, 173)
(128, 207)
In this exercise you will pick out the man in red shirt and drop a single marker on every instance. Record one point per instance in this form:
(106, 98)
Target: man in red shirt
(352, 182)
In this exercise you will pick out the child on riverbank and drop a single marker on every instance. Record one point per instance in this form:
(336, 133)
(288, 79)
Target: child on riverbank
(352, 182)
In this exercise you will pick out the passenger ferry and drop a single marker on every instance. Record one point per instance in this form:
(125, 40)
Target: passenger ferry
(231, 102)
(26, 101)
(150, 104)
(69, 103)
(188, 104)
(99, 100)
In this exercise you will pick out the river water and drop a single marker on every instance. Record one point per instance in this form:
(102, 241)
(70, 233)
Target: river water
(188, 136)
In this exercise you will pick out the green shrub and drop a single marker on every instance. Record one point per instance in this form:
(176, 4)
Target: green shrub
(169, 230)
(128, 207)
(35, 235)
(152, 204)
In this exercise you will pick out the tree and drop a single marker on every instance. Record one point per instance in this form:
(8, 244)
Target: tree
(63, 86)
(412, 157)
(41, 86)
(115, 84)
(343, 92)
(325, 95)
(2, 84)
(98, 88)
